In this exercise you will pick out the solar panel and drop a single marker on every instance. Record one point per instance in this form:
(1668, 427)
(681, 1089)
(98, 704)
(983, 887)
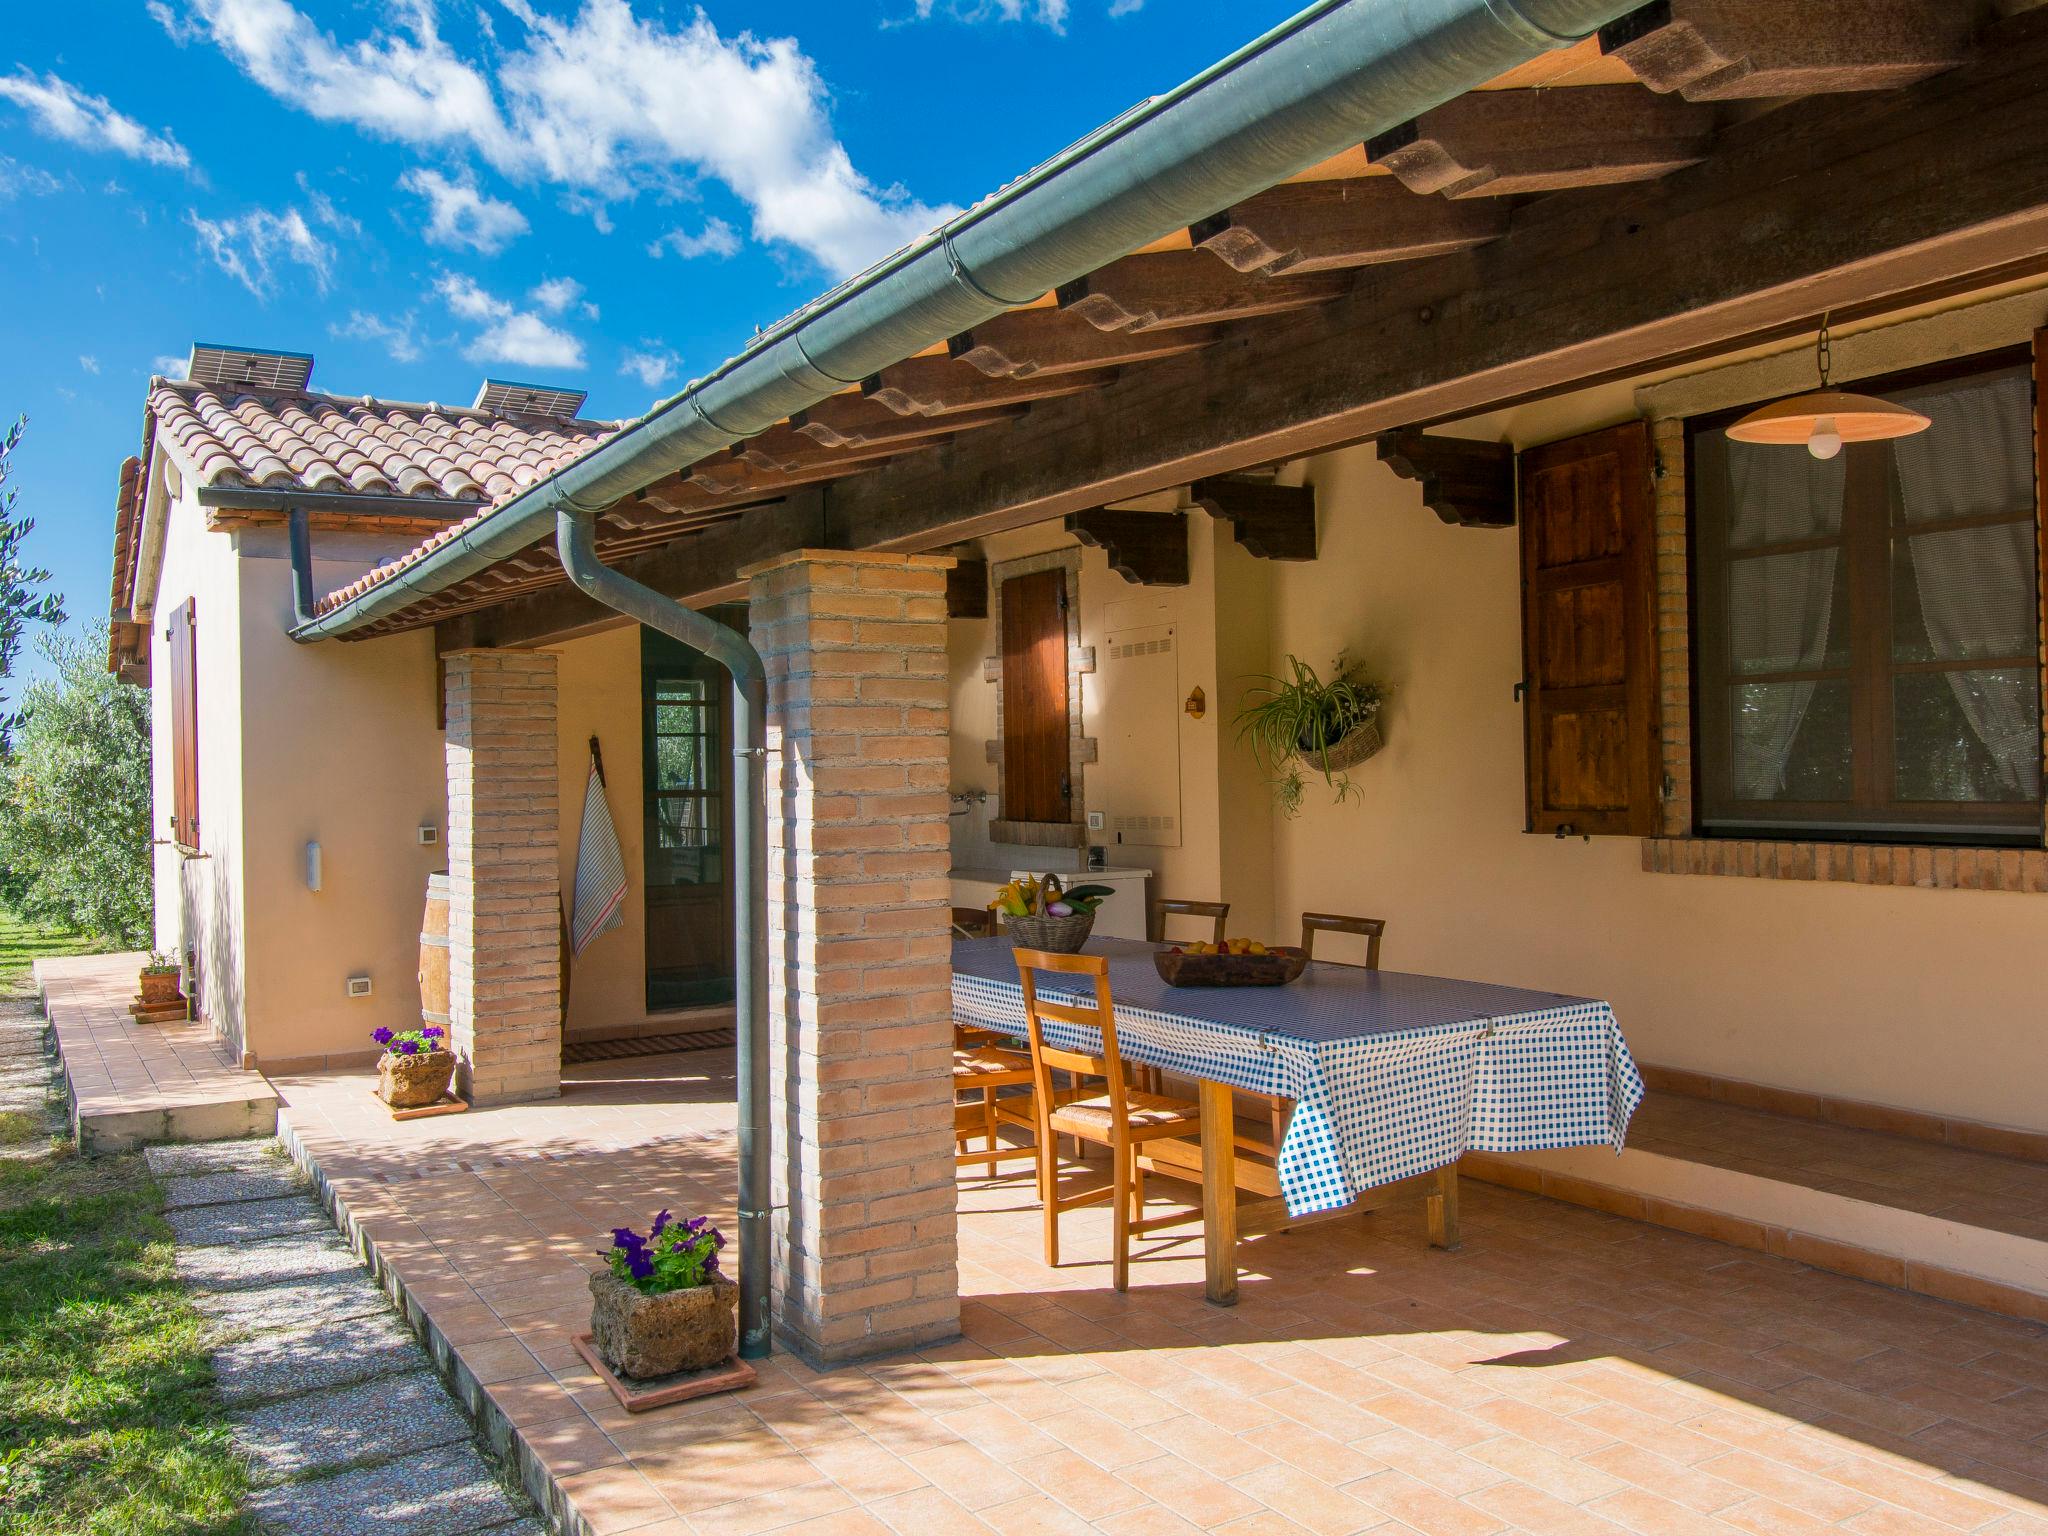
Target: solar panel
(249, 367)
(502, 397)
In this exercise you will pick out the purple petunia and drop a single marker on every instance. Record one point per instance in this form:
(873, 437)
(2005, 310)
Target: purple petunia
(381, 1036)
(660, 1222)
(433, 1031)
(407, 1047)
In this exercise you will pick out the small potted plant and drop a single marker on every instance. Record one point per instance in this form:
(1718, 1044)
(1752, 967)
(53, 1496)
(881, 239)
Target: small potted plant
(416, 1066)
(660, 1305)
(1300, 724)
(160, 981)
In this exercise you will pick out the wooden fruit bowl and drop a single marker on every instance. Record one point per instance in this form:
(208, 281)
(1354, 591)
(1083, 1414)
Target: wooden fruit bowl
(1275, 968)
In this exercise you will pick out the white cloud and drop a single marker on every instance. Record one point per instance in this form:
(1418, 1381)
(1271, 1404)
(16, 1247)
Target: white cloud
(396, 335)
(1125, 7)
(1051, 14)
(324, 210)
(18, 180)
(716, 238)
(509, 334)
(170, 365)
(246, 247)
(88, 362)
(461, 216)
(558, 293)
(651, 363)
(603, 105)
(63, 111)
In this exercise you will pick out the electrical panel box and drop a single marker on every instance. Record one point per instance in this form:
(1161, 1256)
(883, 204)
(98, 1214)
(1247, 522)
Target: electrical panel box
(1135, 779)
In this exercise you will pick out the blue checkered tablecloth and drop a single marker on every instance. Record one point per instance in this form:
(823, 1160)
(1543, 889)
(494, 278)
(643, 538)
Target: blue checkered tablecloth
(1391, 1074)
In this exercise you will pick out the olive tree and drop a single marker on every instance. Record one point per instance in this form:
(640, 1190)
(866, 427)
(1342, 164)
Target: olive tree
(75, 796)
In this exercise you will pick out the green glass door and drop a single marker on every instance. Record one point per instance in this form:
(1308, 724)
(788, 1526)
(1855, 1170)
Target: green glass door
(686, 713)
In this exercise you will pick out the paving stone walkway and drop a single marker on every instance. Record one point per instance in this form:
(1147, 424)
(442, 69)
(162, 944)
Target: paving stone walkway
(345, 1426)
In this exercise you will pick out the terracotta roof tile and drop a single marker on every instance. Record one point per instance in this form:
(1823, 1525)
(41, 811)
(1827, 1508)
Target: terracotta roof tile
(362, 446)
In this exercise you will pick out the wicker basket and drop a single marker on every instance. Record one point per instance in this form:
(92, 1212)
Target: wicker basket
(1350, 750)
(1059, 935)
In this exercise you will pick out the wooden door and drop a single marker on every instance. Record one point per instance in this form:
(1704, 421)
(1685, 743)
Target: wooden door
(1589, 643)
(1036, 740)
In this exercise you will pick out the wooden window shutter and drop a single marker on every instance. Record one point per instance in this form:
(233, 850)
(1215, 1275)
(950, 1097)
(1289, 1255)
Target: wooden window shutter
(1589, 636)
(1036, 749)
(182, 635)
(2041, 541)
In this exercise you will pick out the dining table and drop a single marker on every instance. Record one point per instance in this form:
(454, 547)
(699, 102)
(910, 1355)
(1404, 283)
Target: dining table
(1393, 1076)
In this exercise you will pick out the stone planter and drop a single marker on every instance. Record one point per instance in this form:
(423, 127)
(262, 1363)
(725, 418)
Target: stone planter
(412, 1082)
(159, 988)
(643, 1336)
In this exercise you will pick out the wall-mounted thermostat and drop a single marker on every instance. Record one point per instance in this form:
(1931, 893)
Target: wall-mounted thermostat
(359, 986)
(429, 835)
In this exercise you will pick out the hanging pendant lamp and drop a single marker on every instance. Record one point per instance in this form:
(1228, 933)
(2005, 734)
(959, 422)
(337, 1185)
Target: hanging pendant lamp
(1825, 418)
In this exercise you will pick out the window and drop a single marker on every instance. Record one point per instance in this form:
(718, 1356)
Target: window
(181, 634)
(1867, 658)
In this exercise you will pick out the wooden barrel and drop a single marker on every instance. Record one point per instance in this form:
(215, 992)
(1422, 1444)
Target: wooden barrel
(434, 953)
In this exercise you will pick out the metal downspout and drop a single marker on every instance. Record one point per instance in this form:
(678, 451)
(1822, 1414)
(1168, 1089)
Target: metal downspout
(299, 529)
(576, 541)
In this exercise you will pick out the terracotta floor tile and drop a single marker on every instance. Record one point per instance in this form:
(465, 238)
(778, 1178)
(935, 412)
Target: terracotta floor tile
(1567, 1373)
(773, 1511)
(1308, 1501)
(925, 1512)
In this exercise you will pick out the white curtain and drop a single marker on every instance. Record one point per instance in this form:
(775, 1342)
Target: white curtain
(1975, 583)
(1779, 606)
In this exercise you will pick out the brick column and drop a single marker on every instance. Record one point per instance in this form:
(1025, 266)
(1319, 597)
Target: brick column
(504, 922)
(859, 965)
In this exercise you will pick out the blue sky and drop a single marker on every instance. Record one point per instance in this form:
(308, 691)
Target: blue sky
(610, 194)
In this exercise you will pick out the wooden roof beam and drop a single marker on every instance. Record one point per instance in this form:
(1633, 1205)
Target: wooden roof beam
(939, 386)
(1502, 143)
(1148, 548)
(1465, 482)
(1323, 226)
(848, 421)
(1027, 343)
(1722, 50)
(1272, 522)
(1171, 289)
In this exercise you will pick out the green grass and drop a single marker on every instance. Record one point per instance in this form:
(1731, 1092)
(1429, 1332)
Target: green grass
(108, 1426)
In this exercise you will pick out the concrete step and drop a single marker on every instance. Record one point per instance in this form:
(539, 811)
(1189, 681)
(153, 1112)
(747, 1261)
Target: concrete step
(1945, 1221)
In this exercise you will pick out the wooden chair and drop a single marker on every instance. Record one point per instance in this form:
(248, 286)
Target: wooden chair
(1120, 1117)
(982, 1069)
(1165, 907)
(1372, 929)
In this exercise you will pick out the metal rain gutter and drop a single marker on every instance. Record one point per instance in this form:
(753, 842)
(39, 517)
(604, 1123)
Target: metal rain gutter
(1327, 79)
(575, 538)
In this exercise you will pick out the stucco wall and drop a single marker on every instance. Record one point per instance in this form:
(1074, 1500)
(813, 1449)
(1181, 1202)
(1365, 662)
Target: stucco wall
(1219, 620)
(199, 907)
(598, 694)
(341, 747)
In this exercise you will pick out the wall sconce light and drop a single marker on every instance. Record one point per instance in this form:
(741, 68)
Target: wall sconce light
(1197, 704)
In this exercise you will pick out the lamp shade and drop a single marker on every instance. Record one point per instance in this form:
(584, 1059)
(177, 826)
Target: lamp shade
(1849, 418)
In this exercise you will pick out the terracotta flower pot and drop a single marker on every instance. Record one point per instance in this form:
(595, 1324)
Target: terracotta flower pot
(644, 1336)
(159, 987)
(412, 1082)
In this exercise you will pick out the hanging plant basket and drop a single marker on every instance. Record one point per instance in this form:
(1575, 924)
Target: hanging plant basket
(1299, 727)
(1351, 750)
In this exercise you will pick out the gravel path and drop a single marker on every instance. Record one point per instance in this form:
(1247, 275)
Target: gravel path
(346, 1427)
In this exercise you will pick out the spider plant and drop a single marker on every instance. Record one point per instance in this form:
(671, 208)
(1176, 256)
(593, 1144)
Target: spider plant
(1291, 723)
